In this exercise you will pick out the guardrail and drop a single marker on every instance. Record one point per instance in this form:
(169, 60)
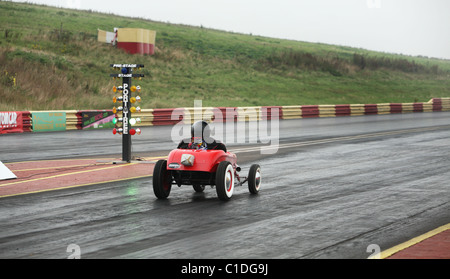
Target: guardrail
(21, 121)
(73, 120)
(293, 112)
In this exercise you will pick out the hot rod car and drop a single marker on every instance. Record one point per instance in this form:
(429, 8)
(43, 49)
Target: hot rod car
(201, 167)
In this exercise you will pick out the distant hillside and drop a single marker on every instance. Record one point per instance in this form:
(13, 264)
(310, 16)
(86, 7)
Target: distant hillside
(50, 59)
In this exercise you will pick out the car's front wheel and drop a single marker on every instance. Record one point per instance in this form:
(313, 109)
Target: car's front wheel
(198, 188)
(254, 179)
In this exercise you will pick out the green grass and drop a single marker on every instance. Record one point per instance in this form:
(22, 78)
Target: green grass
(58, 64)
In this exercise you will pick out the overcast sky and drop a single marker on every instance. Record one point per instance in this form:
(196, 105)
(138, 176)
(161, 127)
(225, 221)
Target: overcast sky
(412, 27)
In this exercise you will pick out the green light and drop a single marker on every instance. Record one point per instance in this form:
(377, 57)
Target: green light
(116, 120)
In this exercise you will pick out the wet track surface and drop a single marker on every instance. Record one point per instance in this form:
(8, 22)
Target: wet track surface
(335, 186)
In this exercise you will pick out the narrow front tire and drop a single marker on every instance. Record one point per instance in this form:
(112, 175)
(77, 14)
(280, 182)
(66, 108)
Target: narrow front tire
(254, 179)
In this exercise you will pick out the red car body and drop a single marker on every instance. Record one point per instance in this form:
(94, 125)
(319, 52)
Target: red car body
(205, 160)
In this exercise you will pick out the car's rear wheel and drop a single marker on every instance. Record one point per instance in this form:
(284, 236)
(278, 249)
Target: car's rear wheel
(225, 180)
(254, 179)
(162, 180)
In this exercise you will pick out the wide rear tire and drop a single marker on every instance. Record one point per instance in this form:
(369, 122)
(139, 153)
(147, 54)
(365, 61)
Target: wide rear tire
(224, 180)
(162, 180)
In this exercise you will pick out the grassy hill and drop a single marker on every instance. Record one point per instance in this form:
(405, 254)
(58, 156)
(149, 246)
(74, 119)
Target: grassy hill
(50, 59)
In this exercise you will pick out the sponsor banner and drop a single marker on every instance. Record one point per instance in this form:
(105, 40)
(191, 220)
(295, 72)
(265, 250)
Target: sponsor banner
(11, 122)
(49, 121)
(97, 119)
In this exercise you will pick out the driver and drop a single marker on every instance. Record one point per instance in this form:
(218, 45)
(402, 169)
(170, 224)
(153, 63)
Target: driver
(201, 138)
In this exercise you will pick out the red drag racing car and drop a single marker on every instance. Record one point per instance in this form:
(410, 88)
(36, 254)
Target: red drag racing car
(200, 168)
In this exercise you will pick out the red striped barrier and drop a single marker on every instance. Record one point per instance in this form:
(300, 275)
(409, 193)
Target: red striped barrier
(343, 110)
(396, 108)
(228, 114)
(437, 104)
(79, 117)
(310, 111)
(370, 109)
(164, 116)
(269, 112)
(417, 107)
(26, 121)
(18, 122)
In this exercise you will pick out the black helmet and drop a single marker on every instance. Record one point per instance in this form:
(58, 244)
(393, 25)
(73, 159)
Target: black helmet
(201, 129)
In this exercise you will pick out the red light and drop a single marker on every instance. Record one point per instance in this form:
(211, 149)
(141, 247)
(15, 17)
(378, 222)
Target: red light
(132, 132)
(117, 131)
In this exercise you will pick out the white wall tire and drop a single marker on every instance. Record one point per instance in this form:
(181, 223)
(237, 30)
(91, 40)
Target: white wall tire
(254, 179)
(225, 180)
